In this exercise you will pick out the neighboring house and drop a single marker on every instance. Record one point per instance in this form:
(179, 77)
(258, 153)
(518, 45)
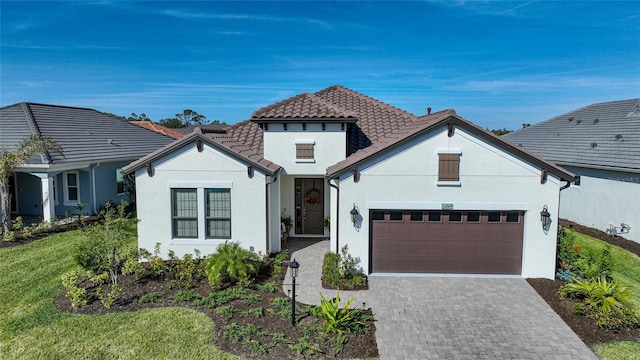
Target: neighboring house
(158, 128)
(428, 194)
(600, 143)
(95, 146)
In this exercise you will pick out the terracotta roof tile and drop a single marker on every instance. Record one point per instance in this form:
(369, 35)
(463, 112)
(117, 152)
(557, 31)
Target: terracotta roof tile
(158, 128)
(303, 106)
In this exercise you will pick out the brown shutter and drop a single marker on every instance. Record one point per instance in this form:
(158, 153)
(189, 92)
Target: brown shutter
(449, 167)
(304, 151)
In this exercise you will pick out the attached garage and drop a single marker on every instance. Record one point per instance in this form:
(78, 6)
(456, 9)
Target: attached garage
(450, 242)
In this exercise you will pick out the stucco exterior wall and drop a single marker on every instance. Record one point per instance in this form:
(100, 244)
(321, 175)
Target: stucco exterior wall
(490, 179)
(188, 168)
(603, 198)
(280, 147)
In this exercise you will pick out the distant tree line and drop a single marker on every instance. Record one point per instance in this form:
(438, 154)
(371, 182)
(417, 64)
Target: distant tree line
(186, 118)
(503, 131)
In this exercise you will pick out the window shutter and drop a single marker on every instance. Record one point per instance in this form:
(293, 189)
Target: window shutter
(304, 151)
(449, 167)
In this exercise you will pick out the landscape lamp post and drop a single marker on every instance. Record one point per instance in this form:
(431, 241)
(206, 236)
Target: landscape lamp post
(293, 266)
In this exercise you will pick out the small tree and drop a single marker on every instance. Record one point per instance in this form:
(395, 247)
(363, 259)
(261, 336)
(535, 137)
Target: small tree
(10, 160)
(108, 244)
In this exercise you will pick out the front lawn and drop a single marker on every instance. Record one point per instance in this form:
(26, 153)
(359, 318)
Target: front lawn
(31, 327)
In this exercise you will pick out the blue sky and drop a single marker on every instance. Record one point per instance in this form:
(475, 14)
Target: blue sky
(498, 64)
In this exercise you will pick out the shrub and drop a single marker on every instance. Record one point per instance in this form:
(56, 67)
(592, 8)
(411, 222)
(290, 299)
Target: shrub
(226, 311)
(269, 287)
(153, 297)
(187, 272)
(186, 296)
(234, 262)
(109, 297)
(133, 266)
(9, 236)
(330, 269)
(599, 264)
(567, 254)
(71, 282)
(99, 279)
(340, 271)
(336, 320)
(607, 302)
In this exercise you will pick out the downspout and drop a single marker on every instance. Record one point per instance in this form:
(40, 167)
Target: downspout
(337, 214)
(566, 186)
(562, 188)
(93, 186)
(266, 195)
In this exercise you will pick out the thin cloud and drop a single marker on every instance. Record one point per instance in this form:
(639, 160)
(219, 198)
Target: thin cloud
(251, 17)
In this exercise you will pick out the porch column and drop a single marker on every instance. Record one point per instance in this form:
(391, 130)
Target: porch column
(48, 208)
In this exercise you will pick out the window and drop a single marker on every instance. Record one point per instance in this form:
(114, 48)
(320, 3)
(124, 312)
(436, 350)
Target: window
(71, 188)
(395, 216)
(494, 217)
(184, 203)
(435, 216)
(455, 216)
(513, 217)
(304, 151)
(417, 216)
(473, 216)
(218, 213)
(448, 167)
(119, 182)
(377, 215)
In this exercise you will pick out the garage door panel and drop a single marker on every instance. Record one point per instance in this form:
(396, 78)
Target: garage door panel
(446, 247)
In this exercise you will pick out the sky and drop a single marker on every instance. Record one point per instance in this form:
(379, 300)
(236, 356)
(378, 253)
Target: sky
(499, 64)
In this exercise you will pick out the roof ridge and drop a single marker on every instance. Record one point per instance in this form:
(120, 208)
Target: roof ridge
(45, 157)
(366, 97)
(314, 99)
(277, 104)
(50, 105)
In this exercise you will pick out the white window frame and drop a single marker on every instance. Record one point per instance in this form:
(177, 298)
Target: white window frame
(67, 201)
(120, 178)
(305, 142)
(449, 182)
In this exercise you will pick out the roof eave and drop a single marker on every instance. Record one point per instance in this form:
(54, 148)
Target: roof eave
(349, 120)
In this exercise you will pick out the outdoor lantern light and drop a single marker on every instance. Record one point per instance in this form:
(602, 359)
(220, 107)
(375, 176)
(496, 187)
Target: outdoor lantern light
(354, 214)
(545, 218)
(293, 266)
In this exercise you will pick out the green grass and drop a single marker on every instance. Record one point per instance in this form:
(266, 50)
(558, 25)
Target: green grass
(626, 270)
(32, 328)
(623, 350)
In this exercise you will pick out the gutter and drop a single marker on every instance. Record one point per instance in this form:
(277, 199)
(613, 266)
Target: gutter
(337, 214)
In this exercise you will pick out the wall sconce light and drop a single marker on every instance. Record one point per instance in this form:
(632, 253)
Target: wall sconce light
(354, 214)
(545, 218)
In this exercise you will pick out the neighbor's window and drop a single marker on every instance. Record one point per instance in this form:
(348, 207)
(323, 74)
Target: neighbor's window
(304, 151)
(576, 182)
(71, 188)
(448, 167)
(184, 203)
(218, 213)
(119, 182)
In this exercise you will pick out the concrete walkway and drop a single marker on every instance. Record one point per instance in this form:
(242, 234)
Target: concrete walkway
(448, 317)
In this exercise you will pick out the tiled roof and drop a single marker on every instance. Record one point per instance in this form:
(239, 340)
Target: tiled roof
(376, 119)
(158, 128)
(603, 135)
(303, 106)
(431, 121)
(223, 141)
(205, 128)
(85, 135)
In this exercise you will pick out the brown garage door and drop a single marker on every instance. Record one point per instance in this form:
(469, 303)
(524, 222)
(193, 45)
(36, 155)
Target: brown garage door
(453, 242)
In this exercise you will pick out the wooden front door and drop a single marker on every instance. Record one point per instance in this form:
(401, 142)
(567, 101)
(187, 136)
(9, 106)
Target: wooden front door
(309, 203)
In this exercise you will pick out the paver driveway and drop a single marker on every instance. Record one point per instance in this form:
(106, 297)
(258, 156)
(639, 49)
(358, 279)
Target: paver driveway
(450, 317)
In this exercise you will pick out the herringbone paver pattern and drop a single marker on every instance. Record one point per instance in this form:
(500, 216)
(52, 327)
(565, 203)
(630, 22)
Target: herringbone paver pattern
(449, 317)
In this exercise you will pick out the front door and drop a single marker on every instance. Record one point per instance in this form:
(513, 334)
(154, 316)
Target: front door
(309, 202)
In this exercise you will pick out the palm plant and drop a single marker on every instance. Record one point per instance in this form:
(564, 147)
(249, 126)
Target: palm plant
(10, 160)
(231, 260)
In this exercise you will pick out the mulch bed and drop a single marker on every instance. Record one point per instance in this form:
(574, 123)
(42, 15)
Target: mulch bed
(584, 327)
(21, 240)
(362, 346)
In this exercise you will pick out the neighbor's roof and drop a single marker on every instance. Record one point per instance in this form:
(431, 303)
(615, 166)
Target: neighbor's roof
(426, 123)
(85, 135)
(223, 141)
(603, 136)
(149, 125)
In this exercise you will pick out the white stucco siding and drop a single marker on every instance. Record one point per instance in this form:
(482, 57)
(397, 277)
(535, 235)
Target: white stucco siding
(187, 168)
(329, 147)
(490, 179)
(603, 198)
